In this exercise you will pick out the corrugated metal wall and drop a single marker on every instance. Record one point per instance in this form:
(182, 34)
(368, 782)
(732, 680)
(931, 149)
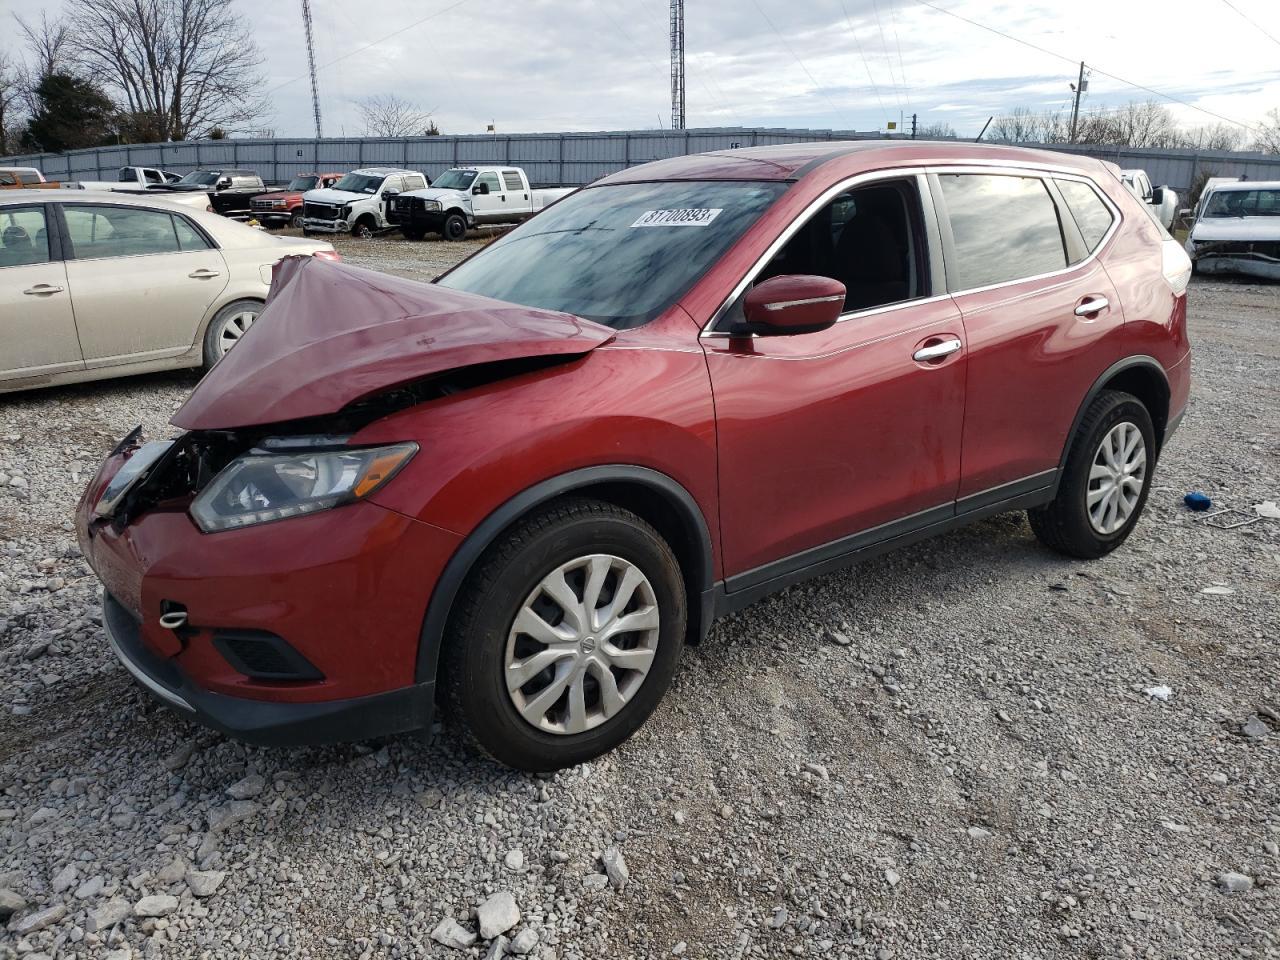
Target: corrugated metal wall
(553, 159)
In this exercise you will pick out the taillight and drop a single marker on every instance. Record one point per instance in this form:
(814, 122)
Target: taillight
(1176, 266)
(328, 255)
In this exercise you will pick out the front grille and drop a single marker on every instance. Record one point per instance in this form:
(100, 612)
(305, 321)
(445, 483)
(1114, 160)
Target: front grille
(262, 204)
(264, 656)
(321, 211)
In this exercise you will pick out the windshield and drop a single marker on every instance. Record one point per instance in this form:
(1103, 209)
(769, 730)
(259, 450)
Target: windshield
(455, 179)
(303, 183)
(1244, 203)
(202, 178)
(619, 255)
(358, 183)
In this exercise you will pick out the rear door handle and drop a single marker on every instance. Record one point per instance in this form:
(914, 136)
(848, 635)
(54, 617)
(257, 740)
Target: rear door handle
(42, 290)
(203, 274)
(936, 351)
(1091, 306)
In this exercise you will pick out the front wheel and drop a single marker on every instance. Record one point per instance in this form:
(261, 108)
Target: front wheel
(565, 637)
(1104, 485)
(227, 327)
(455, 227)
(295, 221)
(363, 229)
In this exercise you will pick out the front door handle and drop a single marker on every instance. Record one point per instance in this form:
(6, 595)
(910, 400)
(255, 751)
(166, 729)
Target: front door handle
(42, 290)
(936, 351)
(203, 274)
(1091, 306)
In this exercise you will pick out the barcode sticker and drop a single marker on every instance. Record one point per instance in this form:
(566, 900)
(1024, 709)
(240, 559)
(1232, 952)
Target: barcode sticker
(686, 217)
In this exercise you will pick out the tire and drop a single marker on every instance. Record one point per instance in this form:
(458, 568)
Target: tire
(414, 234)
(481, 642)
(227, 327)
(1070, 524)
(295, 221)
(363, 230)
(455, 227)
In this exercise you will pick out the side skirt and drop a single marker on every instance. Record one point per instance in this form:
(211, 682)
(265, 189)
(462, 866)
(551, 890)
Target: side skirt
(744, 589)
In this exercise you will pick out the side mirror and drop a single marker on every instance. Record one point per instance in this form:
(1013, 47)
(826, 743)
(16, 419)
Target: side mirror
(1157, 196)
(224, 183)
(390, 193)
(480, 189)
(795, 303)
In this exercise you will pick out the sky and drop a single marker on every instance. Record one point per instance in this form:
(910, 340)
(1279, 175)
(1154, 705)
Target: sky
(546, 65)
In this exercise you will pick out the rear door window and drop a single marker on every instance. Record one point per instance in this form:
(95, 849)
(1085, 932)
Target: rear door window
(24, 239)
(1090, 213)
(1003, 228)
(512, 180)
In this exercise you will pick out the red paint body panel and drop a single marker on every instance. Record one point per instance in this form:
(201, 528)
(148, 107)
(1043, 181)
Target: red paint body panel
(784, 443)
(332, 334)
(829, 433)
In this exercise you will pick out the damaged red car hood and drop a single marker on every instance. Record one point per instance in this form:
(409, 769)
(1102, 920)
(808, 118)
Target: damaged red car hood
(332, 334)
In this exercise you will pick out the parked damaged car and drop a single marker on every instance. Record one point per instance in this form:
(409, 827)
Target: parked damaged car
(520, 490)
(1238, 230)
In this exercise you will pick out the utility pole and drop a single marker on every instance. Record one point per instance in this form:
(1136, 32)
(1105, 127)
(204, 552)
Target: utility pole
(913, 126)
(677, 65)
(311, 63)
(1080, 86)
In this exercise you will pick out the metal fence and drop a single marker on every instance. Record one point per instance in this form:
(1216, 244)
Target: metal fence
(567, 159)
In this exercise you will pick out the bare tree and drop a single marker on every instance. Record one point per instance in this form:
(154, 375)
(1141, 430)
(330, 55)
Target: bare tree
(1019, 125)
(10, 97)
(178, 68)
(935, 131)
(1269, 133)
(388, 115)
(49, 43)
(1215, 136)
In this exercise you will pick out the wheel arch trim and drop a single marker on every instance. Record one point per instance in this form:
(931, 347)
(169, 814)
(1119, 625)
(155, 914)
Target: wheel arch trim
(1135, 362)
(459, 566)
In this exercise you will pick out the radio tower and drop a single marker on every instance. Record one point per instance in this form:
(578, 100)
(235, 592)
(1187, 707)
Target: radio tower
(311, 62)
(677, 64)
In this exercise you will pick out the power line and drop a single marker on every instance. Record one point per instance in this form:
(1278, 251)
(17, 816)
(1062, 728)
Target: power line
(888, 62)
(875, 88)
(352, 53)
(1244, 16)
(902, 71)
(1092, 67)
(817, 86)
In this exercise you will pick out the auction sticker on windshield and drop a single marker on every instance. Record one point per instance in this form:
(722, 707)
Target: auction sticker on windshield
(686, 217)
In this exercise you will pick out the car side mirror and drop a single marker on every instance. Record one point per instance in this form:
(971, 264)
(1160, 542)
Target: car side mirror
(390, 193)
(793, 303)
(224, 183)
(480, 189)
(1157, 196)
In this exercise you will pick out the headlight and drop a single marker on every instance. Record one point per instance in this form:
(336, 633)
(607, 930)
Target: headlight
(431, 205)
(345, 212)
(280, 480)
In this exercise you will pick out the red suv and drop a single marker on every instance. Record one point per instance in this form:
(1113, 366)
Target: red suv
(521, 489)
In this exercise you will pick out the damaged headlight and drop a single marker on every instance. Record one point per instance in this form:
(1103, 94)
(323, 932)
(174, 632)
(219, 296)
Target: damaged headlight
(292, 476)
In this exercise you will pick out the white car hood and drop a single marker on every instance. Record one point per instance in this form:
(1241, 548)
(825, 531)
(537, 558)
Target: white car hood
(1236, 228)
(431, 193)
(339, 197)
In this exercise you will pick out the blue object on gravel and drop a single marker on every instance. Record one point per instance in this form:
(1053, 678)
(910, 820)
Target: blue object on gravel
(1197, 501)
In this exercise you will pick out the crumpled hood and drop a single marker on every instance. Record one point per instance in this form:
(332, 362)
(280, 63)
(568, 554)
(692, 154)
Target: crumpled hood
(332, 334)
(1209, 229)
(336, 197)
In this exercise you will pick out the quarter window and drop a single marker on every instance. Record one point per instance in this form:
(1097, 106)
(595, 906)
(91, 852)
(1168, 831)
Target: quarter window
(1003, 227)
(415, 182)
(23, 237)
(189, 238)
(1091, 215)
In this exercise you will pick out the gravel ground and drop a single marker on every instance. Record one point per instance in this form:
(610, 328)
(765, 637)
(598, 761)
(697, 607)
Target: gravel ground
(958, 750)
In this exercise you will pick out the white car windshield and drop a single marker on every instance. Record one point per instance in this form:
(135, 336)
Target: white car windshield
(359, 183)
(455, 180)
(1244, 203)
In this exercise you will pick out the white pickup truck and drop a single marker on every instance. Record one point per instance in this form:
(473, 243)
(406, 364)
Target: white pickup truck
(466, 197)
(1162, 200)
(132, 180)
(360, 202)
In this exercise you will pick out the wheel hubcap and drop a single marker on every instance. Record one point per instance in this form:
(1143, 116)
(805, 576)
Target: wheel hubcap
(234, 328)
(582, 644)
(1116, 478)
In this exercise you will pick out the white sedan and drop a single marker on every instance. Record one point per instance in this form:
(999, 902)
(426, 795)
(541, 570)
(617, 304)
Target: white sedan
(96, 285)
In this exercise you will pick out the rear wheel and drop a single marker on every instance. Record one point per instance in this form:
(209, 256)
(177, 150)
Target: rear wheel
(565, 637)
(1104, 486)
(227, 327)
(455, 227)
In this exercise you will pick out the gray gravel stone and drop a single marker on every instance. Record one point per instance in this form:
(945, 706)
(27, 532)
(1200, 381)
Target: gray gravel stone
(615, 868)
(1233, 882)
(157, 905)
(497, 914)
(10, 903)
(27, 923)
(452, 934)
(205, 883)
(108, 915)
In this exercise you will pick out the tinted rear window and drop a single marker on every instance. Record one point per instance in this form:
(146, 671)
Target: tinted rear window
(1091, 215)
(1005, 228)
